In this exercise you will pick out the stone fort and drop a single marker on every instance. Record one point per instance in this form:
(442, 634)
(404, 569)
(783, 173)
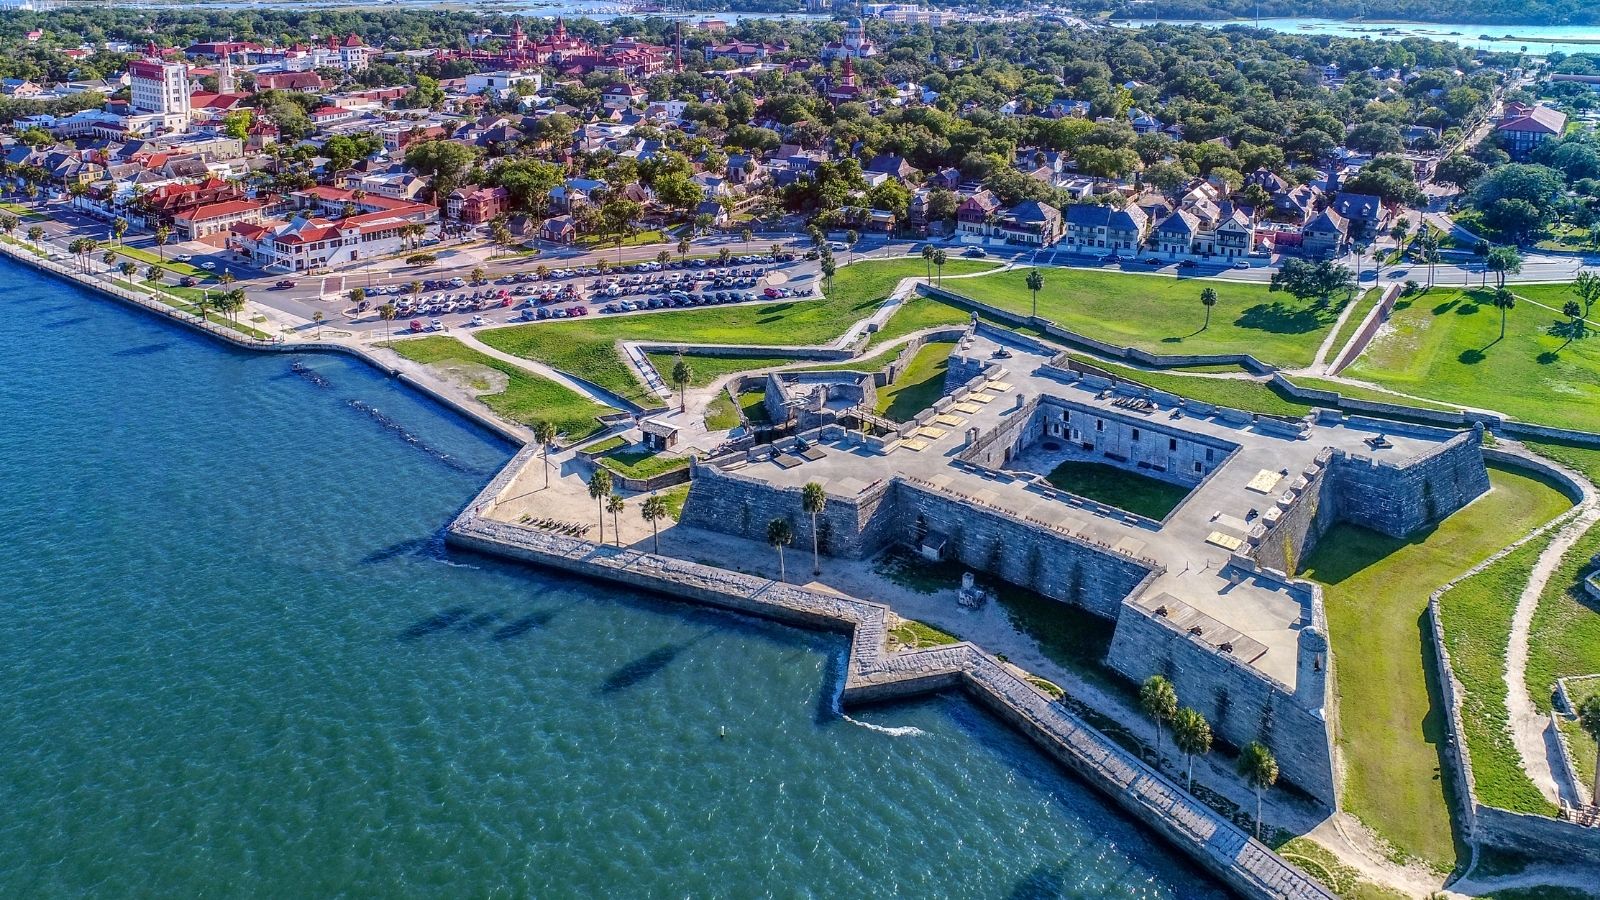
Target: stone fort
(1205, 596)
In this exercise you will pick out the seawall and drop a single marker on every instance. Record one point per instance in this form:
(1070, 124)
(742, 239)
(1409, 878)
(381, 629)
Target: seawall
(874, 674)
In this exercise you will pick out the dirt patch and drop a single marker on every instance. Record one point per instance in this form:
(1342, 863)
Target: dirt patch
(476, 379)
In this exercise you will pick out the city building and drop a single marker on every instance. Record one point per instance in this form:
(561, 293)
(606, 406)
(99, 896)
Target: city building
(1525, 127)
(855, 44)
(160, 88)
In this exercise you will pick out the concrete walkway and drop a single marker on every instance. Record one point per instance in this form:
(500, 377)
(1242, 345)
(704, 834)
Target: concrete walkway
(578, 386)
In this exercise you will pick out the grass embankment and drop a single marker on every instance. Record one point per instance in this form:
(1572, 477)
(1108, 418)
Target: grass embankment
(1477, 628)
(919, 385)
(1445, 344)
(1113, 486)
(166, 295)
(1357, 392)
(588, 348)
(526, 398)
(721, 413)
(1321, 863)
(1363, 305)
(913, 635)
(1164, 315)
(1376, 589)
(155, 259)
(639, 239)
(634, 461)
(705, 368)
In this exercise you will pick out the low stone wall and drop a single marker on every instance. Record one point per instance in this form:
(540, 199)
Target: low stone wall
(1369, 327)
(873, 674)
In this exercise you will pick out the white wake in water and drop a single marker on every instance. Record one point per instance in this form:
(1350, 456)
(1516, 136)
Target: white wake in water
(840, 664)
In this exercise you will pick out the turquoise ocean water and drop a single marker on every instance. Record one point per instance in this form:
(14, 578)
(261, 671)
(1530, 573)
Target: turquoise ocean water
(236, 660)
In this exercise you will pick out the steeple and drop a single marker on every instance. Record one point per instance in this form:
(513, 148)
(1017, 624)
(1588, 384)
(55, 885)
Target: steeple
(225, 83)
(519, 38)
(561, 29)
(848, 79)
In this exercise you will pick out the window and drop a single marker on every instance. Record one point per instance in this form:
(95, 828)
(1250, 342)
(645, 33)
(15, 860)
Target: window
(1198, 468)
(1209, 453)
(1172, 443)
(1136, 435)
(1099, 424)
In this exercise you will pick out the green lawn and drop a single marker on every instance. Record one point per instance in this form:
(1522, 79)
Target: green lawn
(637, 462)
(527, 398)
(755, 408)
(1565, 637)
(1477, 623)
(169, 263)
(919, 385)
(1376, 589)
(1113, 486)
(653, 236)
(1164, 315)
(705, 368)
(22, 212)
(1444, 344)
(721, 413)
(1579, 741)
(918, 312)
(587, 348)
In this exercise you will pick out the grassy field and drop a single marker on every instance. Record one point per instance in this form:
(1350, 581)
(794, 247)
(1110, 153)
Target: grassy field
(1565, 636)
(1164, 315)
(753, 403)
(1444, 344)
(1579, 741)
(721, 413)
(917, 313)
(526, 398)
(587, 348)
(654, 236)
(919, 385)
(1114, 486)
(1477, 628)
(705, 368)
(1376, 588)
(171, 265)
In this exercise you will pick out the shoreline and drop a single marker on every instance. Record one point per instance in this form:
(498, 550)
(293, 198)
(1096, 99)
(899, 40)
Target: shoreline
(873, 674)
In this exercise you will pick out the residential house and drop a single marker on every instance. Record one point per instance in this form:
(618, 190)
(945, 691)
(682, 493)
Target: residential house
(1365, 214)
(558, 230)
(1325, 235)
(1096, 228)
(476, 205)
(974, 213)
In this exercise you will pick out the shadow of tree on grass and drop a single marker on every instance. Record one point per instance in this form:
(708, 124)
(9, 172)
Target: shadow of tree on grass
(1279, 318)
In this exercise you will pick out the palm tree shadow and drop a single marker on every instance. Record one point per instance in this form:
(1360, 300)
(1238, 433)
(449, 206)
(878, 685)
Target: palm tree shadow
(1473, 357)
(646, 666)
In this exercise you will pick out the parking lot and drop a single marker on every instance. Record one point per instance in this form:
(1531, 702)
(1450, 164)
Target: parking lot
(585, 290)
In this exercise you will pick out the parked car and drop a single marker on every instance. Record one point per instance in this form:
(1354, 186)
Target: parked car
(1241, 264)
(416, 325)
(1187, 264)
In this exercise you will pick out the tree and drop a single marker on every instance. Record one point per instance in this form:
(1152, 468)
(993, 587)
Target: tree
(662, 258)
(119, 228)
(129, 268)
(317, 317)
(653, 510)
(478, 275)
(226, 278)
(1192, 735)
(746, 236)
(1428, 243)
(850, 239)
(683, 248)
(927, 259)
(1260, 769)
(163, 234)
(1160, 702)
(614, 505)
(357, 295)
(1503, 260)
(682, 374)
(35, 234)
(1587, 287)
(1481, 251)
(1035, 285)
(813, 499)
(544, 434)
(780, 534)
(1208, 299)
(828, 268)
(939, 259)
(1589, 719)
(387, 313)
(599, 490)
(1504, 301)
(1317, 281)
(500, 234)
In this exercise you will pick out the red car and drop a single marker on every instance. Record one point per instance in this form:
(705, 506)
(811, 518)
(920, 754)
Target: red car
(416, 325)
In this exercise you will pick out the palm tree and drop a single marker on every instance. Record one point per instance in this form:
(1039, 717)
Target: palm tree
(1481, 250)
(599, 490)
(544, 434)
(780, 535)
(1160, 702)
(1503, 300)
(1503, 261)
(1035, 285)
(1573, 310)
(1428, 240)
(35, 234)
(939, 259)
(387, 312)
(163, 234)
(226, 278)
(723, 256)
(828, 268)
(317, 317)
(110, 259)
(615, 505)
(813, 499)
(1208, 299)
(130, 268)
(663, 257)
(356, 295)
(775, 251)
(746, 235)
(119, 228)
(152, 272)
(653, 510)
(682, 374)
(478, 275)
(927, 258)
(850, 239)
(1192, 735)
(1260, 768)
(683, 248)
(1589, 719)
(9, 223)
(604, 265)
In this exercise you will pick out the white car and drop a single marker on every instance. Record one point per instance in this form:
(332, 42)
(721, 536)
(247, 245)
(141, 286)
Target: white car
(208, 265)
(479, 320)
